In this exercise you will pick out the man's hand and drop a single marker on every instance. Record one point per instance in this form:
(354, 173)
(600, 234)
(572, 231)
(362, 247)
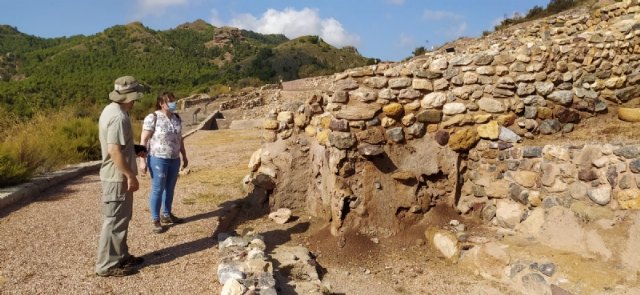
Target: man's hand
(132, 184)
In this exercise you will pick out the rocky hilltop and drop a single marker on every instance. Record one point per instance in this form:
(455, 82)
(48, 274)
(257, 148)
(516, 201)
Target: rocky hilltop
(383, 147)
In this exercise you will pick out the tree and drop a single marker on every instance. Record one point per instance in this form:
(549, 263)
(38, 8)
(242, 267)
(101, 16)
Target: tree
(419, 51)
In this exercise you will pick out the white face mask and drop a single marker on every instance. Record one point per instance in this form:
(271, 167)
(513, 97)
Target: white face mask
(172, 106)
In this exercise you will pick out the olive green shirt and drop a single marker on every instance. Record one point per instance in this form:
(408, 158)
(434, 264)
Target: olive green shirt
(115, 128)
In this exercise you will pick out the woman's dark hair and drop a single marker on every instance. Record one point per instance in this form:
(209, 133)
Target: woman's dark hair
(164, 97)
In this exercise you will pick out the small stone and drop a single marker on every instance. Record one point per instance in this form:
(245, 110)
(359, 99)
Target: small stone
(547, 269)
(281, 216)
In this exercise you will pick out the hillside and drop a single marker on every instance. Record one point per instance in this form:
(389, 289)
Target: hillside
(38, 73)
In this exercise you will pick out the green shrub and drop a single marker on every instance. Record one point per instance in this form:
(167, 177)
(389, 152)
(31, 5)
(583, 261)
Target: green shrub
(11, 171)
(46, 142)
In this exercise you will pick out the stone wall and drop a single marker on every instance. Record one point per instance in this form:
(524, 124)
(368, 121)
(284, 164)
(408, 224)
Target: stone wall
(507, 182)
(385, 143)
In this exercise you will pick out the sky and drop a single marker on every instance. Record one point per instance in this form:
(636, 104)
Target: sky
(386, 29)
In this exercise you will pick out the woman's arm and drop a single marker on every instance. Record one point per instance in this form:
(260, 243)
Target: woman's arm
(144, 141)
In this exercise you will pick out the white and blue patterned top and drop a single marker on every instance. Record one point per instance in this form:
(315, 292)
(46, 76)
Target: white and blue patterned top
(167, 135)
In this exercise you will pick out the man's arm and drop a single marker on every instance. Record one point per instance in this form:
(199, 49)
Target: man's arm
(115, 152)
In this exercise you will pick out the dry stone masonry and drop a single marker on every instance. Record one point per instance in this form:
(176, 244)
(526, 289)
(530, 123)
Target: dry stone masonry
(384, 144)
(387, 142)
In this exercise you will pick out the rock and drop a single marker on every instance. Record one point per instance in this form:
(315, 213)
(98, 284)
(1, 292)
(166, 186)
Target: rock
(507, 135)
(355, 113)
(403, 176)
(393, 110)
(508, 213)
(270, 124)
(578, 190)
(629, 199)
(547, 269)
(490, 130)
(416, 130)
(567, 115)
(342, 140)
(233, 287)
(550, 126)
(454, 108)
(562, 97)
(544, 88)
(422, 84)
(491, 105)
(339, 125)
(628, 152)
(281, 216)
(254, 162)
(463, 139)
(442, 137)
(528, 179)
(429, 116)
(285, 117)
(433, 100)
(634, 166)
(229, 271)
(587, 175)
(629, 114)
(532, 152)
(600, 195)
(535, 283)
(373, 135)
(376, 82)
(370, 150)
(395, 134)
(444, 241)
(490, 260)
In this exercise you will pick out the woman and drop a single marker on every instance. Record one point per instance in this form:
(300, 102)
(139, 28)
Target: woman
(162, 134)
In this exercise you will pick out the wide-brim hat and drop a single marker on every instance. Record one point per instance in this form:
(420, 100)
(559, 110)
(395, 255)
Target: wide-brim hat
(127, 89)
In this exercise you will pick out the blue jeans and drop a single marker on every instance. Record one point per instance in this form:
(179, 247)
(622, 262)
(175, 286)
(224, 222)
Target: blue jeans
(164, 175)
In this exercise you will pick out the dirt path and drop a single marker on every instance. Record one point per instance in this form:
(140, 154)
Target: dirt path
(48, 246)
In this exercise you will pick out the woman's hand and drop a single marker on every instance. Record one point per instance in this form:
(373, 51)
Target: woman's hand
(185, 161)
(142, 165)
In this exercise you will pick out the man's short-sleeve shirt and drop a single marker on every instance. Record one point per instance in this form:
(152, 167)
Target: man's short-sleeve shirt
(167, 135)
(115, 128)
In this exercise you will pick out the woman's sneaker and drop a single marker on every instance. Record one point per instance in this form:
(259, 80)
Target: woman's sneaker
(170, 219)
(157, 227)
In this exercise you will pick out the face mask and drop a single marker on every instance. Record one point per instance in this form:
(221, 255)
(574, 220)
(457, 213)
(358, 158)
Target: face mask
(172, 106)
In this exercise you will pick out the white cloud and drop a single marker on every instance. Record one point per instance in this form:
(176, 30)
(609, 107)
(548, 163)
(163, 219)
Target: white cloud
(438, 15)
(215, 18)
(157, 7)
(396, 2)
(294, 23)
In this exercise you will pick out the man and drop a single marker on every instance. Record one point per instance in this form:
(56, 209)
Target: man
(118, 177)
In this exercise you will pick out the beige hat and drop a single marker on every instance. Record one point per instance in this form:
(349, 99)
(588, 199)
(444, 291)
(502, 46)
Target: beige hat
(126, 89)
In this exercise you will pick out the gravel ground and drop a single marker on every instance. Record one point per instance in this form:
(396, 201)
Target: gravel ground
(48, 246)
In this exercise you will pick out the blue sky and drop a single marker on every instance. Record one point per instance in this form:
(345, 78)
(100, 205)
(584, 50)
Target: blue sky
(386, 29)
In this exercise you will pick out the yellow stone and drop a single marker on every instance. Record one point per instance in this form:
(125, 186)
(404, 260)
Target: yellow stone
(481, 118)
(544, 113)
(507, 120)
(310, 130)
(629, 199)
(629, 114)
(431, 128)
(323, 137)
(270, 124)
(325, 121)
(393, 109)
(490, 130)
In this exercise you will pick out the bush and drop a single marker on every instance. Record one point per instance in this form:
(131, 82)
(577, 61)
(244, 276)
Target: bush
(46, 142)
(11, 171)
